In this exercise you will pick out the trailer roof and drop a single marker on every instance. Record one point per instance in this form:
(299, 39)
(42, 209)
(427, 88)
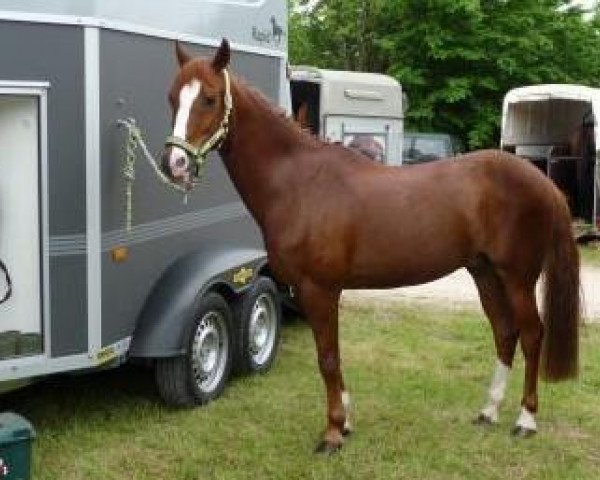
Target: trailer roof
(254, 24)
(354, 93)
(320, 75)
(533, 125)
(534, 93)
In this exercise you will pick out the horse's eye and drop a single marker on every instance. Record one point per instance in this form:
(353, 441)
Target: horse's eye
(208, 101)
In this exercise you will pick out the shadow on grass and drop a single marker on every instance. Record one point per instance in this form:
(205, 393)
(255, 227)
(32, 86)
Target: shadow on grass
(58, 402)
(69, 395)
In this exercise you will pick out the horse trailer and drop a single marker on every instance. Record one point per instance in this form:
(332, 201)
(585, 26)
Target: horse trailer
(187, 287)
(361, 110)
(556, 128)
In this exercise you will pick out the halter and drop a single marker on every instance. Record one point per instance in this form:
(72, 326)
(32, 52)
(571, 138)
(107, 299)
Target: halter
(199, 154)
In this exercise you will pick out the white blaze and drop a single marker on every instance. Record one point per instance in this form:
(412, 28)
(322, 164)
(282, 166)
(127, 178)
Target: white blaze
(187, 96)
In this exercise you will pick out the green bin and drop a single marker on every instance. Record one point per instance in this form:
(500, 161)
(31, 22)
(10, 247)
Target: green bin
(16, 435)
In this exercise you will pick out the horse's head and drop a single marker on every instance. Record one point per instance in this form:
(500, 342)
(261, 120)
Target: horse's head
(201, 104)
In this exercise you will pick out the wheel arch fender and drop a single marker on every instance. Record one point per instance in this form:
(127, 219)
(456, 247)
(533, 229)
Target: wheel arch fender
(165, 317)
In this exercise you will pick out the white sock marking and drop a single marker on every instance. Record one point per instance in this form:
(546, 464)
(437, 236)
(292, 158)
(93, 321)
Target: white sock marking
(347, 408)
(526, 420)
(496, 391)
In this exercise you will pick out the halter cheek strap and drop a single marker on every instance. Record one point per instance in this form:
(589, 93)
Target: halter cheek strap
(199, 154)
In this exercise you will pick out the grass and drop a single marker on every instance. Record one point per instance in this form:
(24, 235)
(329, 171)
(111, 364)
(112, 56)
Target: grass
(417, 379)
(590, 255)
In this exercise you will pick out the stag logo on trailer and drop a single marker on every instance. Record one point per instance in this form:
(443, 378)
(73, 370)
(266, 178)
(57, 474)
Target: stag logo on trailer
(273, 35)
(243, 275)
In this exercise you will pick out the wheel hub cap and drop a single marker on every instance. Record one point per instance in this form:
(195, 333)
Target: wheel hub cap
(209, 351)
(262, 328)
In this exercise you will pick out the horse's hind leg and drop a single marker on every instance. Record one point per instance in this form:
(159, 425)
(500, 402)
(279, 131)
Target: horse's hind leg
(530, 327)
(321, 307)
(497, 307)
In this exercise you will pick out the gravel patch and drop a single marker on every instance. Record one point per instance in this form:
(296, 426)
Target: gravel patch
(458, 291)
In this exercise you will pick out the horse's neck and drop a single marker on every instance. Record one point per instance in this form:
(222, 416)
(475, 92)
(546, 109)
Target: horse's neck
(258, 152)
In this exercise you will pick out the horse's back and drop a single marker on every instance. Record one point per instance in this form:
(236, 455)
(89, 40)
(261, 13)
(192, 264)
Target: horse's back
(433, 218)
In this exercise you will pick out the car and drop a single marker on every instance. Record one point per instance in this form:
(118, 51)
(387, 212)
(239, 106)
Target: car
(427, 147)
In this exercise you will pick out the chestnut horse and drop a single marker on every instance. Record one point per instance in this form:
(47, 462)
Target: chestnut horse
(332, 219)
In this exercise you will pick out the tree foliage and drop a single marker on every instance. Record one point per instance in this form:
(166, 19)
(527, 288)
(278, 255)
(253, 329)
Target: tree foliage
(455, 58)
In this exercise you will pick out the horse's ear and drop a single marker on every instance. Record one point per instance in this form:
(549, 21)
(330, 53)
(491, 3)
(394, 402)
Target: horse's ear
(222, 57)
(183, 57)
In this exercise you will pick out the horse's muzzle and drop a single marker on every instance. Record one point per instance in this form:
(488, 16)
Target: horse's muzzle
(176, 164)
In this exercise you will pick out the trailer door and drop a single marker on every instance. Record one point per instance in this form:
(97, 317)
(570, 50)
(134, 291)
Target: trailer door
(20, 315)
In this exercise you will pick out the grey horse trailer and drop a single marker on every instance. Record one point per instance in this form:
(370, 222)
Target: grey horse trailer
(187, 288)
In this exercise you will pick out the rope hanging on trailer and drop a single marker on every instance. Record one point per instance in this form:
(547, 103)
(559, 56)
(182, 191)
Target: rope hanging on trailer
(135, 141)
(8, 292)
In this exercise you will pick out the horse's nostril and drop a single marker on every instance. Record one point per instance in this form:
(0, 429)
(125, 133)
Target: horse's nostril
(180, 162)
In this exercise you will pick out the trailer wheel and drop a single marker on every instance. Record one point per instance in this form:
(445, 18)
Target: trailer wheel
(258, 325)
(200, 375)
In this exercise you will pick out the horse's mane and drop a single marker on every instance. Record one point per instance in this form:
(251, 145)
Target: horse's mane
(267, 106)
(293, 128)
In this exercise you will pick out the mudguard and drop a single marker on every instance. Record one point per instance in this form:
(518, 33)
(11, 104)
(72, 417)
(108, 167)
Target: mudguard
(163, 322)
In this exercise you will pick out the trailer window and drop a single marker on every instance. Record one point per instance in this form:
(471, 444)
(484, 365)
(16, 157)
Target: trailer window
(306, 105)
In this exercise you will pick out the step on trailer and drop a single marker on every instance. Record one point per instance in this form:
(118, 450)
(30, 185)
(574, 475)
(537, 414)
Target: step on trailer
(359, 109)
(187, 288)
(556, 128)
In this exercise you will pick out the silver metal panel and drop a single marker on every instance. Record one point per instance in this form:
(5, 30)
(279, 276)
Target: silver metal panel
(45, 227)
(41, 365)
(13, 87)
(254, 24)
(92, 177)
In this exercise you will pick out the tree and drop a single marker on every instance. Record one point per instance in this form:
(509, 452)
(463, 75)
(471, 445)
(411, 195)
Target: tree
(337, 34)
(455, 58)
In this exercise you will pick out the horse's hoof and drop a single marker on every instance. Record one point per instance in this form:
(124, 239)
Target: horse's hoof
(483, 420)
(346, 432)
(328, 448)
(522, 432)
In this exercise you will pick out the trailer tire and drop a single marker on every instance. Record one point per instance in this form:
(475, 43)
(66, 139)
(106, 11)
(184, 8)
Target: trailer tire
(258, 327)
(200, 375)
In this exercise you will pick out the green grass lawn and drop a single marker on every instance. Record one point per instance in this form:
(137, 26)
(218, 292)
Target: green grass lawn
(590, 255)
(417, 379)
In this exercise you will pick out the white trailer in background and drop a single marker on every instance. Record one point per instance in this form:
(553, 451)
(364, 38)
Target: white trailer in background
(556, 127)
(354, 108)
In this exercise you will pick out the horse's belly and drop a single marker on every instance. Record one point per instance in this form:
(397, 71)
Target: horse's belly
(407, 261)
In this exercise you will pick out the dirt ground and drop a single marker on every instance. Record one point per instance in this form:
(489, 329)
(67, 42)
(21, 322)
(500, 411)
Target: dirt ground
(458, 291)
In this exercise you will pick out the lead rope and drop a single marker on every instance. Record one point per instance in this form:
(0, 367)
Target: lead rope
(135, 141)
(8, 292)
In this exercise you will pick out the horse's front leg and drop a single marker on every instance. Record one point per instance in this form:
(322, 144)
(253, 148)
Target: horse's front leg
(321, 308)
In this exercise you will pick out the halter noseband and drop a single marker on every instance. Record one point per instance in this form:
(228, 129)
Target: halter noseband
(199, 154)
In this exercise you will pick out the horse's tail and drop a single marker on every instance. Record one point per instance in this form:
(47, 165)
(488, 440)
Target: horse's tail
(562, 307)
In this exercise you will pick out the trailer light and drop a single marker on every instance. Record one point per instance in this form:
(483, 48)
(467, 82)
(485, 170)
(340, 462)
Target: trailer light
(120, 254)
